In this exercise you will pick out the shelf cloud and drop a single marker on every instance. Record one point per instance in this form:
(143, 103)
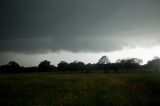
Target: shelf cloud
(39, 26)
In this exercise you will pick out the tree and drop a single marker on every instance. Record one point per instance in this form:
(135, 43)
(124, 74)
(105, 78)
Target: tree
(63, 66)
(44, 66)
(103, 60)
(103, 63)
(154, 64)
(76, 66)
(156, 57)
(129, 63)
(12, 66)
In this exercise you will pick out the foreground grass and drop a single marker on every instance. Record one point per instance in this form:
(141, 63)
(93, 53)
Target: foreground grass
(79, 89)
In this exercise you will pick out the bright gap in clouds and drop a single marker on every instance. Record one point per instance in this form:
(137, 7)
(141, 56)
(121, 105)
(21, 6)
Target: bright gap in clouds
(86, 57)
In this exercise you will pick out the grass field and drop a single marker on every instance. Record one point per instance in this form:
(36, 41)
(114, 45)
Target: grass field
(79, 89)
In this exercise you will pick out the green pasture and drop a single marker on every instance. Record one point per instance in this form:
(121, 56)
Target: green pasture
(79, 89)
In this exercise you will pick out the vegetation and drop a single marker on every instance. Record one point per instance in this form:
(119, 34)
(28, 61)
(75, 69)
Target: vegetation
(56, 88)
(123, 83)
(130, 65)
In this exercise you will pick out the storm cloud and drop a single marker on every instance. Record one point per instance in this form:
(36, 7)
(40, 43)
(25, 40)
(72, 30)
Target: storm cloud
(38, 26)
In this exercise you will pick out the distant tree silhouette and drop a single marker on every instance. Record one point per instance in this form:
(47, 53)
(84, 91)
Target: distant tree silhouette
(73, 66)
(129, 63)
(12, 66)
(91, 67)
(103, 60)
(45, 66)
(103, 65)
(156, 57)
(76, 66)
(154, 64)
(63, 66)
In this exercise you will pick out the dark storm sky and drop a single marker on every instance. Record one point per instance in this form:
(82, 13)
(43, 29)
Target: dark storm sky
(38, 26)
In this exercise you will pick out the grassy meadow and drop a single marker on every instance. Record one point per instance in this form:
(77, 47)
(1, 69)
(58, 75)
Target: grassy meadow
(79, 89)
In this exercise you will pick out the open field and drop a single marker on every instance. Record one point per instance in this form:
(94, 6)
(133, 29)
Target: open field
(80, 89)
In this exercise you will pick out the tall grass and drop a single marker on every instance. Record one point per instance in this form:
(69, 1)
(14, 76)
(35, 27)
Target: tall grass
(79, 89)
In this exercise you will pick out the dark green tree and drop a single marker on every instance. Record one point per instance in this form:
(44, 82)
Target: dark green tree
(154, 64)
(103, 60)
(129, 63)
(77, 66)
(63, 66)
(44, 66)
(13, 64)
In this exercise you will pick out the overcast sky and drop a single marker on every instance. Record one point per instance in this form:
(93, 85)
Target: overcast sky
(74, 29)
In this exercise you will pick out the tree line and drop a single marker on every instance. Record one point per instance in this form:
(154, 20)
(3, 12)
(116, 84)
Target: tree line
(103, 65)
